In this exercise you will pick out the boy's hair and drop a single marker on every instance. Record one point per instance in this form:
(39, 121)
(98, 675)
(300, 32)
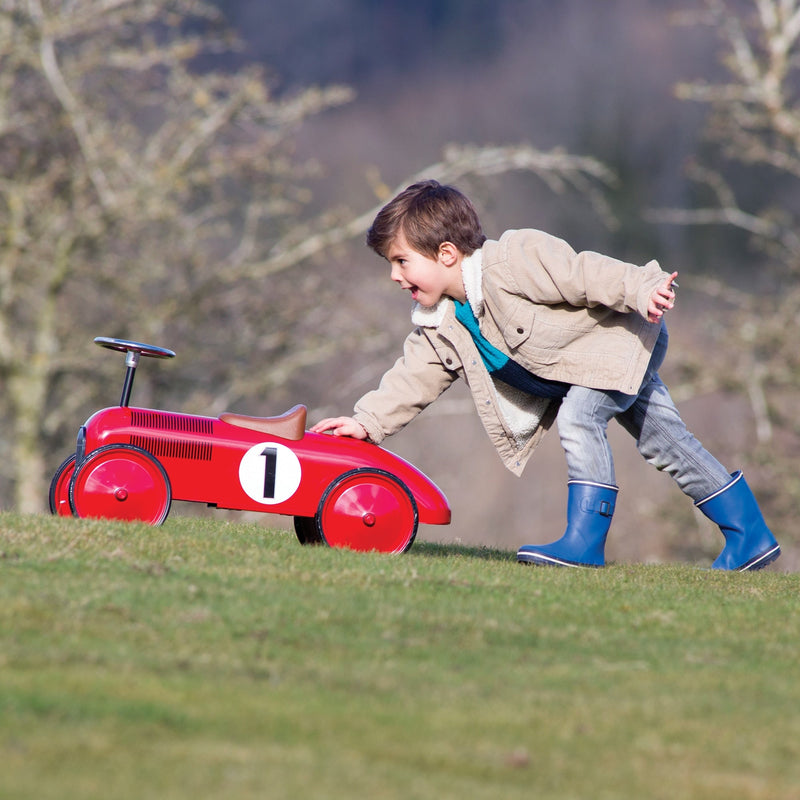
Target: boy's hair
(428, 214)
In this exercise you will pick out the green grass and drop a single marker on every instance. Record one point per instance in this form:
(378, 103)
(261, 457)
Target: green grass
(213, 660)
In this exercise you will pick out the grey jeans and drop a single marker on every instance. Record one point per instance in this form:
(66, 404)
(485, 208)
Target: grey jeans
(651, 418)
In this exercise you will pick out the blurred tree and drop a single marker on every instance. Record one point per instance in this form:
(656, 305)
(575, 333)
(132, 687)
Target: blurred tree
(135, 184)
(750, 182)
(147, 188)
(754, 121)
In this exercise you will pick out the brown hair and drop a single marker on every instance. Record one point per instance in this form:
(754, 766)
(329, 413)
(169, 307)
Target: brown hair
(428, 214)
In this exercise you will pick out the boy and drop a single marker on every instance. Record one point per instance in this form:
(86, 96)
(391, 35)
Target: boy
(538, 330)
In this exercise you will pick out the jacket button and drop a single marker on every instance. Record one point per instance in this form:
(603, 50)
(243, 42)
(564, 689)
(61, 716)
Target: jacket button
(520, 330)
(448, 361)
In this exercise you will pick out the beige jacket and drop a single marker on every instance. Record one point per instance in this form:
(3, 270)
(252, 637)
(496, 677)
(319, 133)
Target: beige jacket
(580, 318)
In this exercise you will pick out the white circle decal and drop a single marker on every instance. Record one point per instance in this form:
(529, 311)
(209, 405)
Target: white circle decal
(269, 473)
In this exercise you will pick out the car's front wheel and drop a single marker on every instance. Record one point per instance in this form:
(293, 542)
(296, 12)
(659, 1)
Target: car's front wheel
(368, 509)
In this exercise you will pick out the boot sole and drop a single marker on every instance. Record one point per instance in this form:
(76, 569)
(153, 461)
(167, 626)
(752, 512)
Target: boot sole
(759, 562)
(551, 561)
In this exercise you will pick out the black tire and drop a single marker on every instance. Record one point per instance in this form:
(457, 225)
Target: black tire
(59, 493)
(307, 531)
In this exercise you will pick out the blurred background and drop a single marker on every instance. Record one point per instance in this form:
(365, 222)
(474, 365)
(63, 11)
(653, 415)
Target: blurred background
(200, 177)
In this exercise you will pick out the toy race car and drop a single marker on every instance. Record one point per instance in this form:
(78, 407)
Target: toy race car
(130, 463)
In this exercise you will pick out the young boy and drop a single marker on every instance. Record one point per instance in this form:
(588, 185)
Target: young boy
(538, 331)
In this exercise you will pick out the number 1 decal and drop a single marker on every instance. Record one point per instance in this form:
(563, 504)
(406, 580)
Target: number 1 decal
(271, 462)
(269, 473)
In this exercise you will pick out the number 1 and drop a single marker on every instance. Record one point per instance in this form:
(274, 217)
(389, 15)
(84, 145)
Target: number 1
(271, 462)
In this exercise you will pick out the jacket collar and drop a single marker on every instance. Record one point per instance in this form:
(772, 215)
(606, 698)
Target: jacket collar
(471, 271)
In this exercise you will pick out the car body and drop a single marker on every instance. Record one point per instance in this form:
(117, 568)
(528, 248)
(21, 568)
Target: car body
(130, 463)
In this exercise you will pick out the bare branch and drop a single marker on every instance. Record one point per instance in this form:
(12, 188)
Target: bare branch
(557, 168)
(71, 106)
(754, 121)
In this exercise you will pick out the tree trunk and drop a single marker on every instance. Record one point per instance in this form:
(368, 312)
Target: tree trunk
(28, 391)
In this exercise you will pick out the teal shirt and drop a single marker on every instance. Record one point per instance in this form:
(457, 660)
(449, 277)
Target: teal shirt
(491, 356)
(502, 366)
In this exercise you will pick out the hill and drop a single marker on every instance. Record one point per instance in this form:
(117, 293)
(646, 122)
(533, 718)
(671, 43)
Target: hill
(210, 659)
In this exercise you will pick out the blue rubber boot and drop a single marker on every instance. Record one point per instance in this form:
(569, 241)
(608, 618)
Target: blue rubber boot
(749, 544)
(590, 507)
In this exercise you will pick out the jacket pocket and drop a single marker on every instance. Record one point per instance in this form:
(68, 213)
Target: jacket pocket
(448, 356)
(518, 326)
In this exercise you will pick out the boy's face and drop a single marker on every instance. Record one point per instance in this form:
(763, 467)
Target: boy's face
(428, 279)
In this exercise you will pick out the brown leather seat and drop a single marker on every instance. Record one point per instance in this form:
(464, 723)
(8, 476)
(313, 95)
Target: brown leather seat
(291, 425)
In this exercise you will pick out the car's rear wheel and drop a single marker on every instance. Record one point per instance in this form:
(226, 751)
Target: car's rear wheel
(121, 482)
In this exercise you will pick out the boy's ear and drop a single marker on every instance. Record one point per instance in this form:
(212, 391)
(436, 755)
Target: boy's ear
(449, 254)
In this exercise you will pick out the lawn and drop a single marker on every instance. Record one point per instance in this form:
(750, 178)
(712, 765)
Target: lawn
(206, 659)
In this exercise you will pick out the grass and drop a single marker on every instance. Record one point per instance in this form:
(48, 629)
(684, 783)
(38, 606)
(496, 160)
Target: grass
(206, 659)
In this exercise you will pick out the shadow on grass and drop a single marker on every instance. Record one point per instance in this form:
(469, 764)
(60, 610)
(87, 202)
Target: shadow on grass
(434, 550)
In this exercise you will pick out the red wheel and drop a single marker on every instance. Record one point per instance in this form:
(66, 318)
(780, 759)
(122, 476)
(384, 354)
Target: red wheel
(368, 509)
(59, 488)
(120, 481)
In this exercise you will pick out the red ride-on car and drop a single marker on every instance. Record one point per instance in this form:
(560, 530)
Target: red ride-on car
(130, 463)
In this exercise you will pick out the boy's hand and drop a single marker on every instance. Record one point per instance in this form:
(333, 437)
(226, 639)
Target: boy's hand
(662, 299)
(340, 426)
